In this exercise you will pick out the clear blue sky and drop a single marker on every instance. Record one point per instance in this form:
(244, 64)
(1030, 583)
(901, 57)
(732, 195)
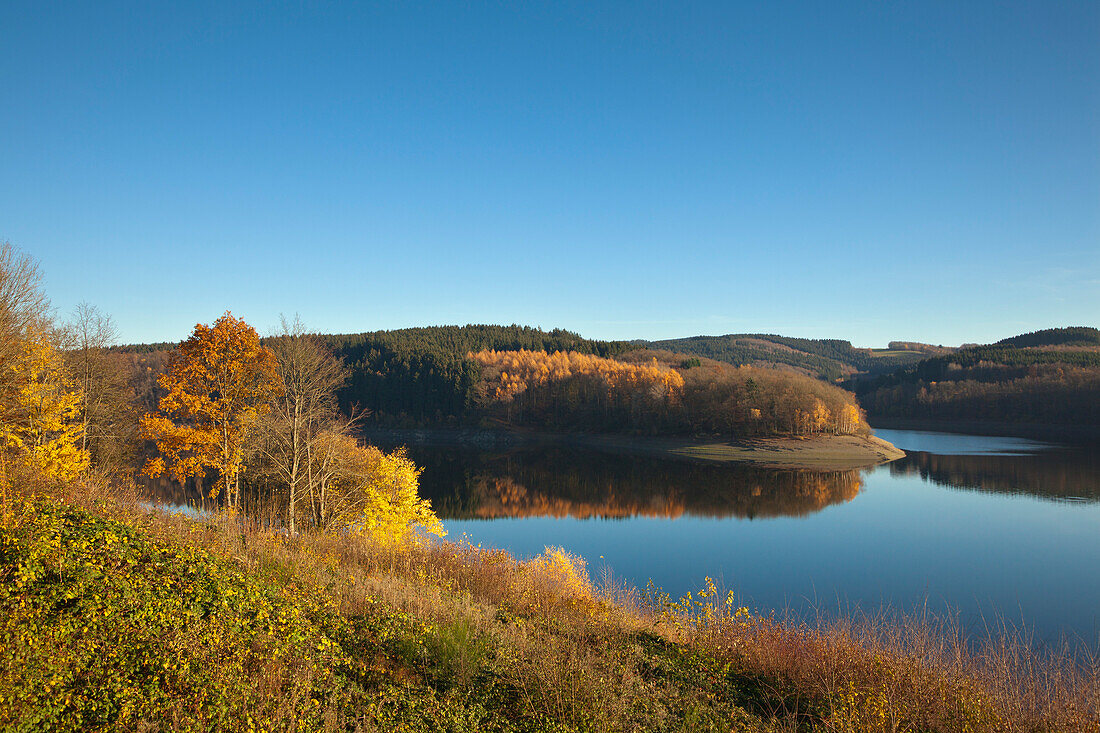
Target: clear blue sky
(870, 171)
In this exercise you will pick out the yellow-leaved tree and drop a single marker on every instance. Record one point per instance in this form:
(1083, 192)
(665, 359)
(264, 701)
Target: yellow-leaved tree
(367, 491)
(39, 416)
(218, 383)
(50, 430)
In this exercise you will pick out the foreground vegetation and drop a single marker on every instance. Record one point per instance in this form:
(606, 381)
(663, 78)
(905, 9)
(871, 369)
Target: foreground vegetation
(117, 618)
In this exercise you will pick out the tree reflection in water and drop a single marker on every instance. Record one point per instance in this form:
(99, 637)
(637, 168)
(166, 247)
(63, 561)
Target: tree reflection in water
(570, 482)
(1067, 475)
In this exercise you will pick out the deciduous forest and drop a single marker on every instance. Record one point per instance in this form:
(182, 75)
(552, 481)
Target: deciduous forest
(643, 392)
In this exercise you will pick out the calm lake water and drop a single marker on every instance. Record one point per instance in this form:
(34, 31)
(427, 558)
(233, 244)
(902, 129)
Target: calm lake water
(991, 528)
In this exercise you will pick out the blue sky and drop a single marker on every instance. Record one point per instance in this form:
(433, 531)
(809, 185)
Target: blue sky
(869, 171)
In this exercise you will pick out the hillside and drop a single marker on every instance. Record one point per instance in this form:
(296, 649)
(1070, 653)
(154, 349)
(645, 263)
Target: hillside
(444, 376)
(427, 376)
(411, 376)
(1044, 378)
(423, 375)
(828, 359)
(1082, 336)
(645, 392)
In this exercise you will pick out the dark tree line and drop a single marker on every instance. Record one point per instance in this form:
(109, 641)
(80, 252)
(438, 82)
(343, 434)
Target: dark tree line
(828, 359)
(1071, 336)
(1054, 394)
(1049, 377)
(419, 376)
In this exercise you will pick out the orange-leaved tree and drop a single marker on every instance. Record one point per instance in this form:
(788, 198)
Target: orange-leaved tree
(218, 383)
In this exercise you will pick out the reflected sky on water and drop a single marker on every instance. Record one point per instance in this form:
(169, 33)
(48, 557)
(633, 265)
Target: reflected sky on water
(957, 444)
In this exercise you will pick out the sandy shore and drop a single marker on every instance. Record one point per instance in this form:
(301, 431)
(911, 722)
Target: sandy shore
(824, 452)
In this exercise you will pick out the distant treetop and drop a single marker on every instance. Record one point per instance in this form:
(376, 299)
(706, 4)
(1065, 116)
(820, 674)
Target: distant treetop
(1071, 336)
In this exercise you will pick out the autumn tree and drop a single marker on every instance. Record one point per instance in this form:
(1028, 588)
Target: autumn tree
(107, 409)
(38, 400)
(219, 382)
(571, 387)
(306, 408)
(23, 320)
(48, 428)
(641, 391)
(363, 490)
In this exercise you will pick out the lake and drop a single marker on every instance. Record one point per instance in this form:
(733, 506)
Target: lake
(993, 529)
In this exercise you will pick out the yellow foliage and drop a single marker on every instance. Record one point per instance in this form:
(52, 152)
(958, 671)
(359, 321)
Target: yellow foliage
(376, 493)
(520, 370)
(42, 420)
(820, 418)
(218, 384)
(850, 419)
(564, 573)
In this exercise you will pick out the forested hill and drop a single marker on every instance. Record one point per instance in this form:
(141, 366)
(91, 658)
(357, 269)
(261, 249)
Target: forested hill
(1049, 377)
(453, 375)
(423, 374)
(410, 376)
(419, 376)
(828, 359)
(1074, 336)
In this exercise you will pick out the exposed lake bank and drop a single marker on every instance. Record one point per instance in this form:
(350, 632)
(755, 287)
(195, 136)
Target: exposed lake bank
(823, 452)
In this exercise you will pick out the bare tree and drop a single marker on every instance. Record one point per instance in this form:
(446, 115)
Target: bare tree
(24, 315)
(308, 409)
(108, 410)
(88, 334)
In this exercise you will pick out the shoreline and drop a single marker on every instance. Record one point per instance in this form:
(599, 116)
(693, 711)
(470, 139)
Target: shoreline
(822, 452)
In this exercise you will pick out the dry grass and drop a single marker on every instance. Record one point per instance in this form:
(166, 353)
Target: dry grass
(883, 672)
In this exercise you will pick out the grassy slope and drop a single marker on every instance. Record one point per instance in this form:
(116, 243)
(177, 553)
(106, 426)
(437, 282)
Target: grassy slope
(113, 618)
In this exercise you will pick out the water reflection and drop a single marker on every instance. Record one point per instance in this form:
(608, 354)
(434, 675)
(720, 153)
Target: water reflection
(567, 482)
(1065, 475)
(980, 527)
(956, 444)
(169, 492)
(999, 465)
